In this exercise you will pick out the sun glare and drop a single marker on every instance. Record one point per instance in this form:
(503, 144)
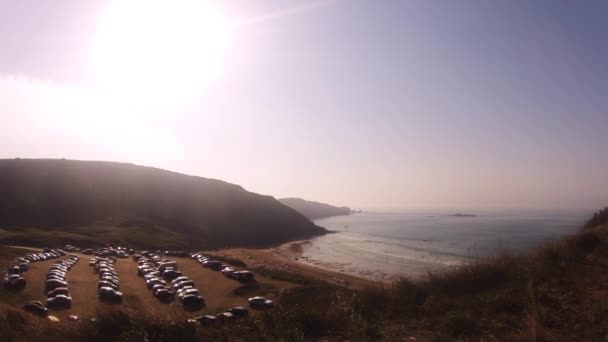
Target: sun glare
(158, 49)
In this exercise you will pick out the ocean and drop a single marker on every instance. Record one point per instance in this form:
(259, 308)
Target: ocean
(385, 245)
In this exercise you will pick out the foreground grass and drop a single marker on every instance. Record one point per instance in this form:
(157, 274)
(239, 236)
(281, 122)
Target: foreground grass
(556, 293)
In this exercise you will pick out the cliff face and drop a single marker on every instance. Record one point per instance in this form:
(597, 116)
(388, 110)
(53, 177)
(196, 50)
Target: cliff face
(55, 194)
(314, 210)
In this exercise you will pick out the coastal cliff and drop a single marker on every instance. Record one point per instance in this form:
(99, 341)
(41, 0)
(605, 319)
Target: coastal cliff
(314, 210)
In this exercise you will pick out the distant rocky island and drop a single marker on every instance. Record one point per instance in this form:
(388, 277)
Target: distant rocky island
(314, 210)
(463, 215)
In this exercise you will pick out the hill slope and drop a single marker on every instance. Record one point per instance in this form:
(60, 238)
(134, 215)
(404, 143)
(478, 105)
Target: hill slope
(121, 200)
(314, 210)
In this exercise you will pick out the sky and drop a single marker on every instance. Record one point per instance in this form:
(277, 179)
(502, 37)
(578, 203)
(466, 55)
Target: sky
(370, 104)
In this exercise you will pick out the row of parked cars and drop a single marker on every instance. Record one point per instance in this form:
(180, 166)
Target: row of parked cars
(227, 270)
(230, 315)
(109, 251)
(13, 278)
(231, 272)
(166, 281)
(56, 285)
(109, 282)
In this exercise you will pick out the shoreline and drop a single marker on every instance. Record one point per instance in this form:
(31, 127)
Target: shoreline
(285, 258)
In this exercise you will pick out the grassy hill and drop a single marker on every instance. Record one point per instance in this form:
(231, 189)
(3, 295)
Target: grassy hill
(47, 201)
(314, 210)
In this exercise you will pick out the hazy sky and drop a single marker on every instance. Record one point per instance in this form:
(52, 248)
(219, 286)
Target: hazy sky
(360, 103)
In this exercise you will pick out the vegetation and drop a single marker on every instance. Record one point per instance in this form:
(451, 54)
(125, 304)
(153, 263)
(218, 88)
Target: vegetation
(599, 218)
(76, 199)
(94, 235)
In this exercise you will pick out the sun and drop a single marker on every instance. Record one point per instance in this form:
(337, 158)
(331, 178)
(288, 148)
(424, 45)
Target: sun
(158, 49)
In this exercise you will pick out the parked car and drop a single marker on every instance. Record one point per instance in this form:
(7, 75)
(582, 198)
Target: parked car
(56, 273)
(23, 266)
(193, 300)
(181, 284)
(171, 274)
(243, 276)
(228, 270)
(184, 288)
(52, 284)
(239, 311)
(187, 292)
(179, 279)
(155, 281)
(163, 293)
(110, 293)
(144, 270)
(169, 264)
(14, 281)
(58, 291)
(213, 264)
(36, 308)
(111, 280)
(157, 287)
(206, 320)
(260, 302)
(104, 283)
(225, 317)
(59, 301)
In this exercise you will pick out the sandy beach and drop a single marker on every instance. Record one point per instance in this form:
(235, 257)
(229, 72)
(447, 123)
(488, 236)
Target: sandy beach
(287, 257)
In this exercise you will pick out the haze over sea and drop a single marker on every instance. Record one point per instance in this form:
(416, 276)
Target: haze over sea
(382, 245)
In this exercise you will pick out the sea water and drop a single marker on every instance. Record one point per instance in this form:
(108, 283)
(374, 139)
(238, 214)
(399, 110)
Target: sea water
(383, 245)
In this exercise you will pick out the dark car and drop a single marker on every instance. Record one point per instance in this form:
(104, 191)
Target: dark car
(206, 320)
(104, 283)
(52, 284)
(181, 284)
(110, 279)
(226, 317)
(155, 281)
(171, 274)
(14, 282)
(239, 311)
(179, 279)
(163, 294)
(55, 274)
(158, 287)
(36, 308)
(144, 270)
(55, 277)
(23, 266)
(193, 300)
(110, 294)
(243, 276)
(58, 291)
(58, 268)
(188, 292)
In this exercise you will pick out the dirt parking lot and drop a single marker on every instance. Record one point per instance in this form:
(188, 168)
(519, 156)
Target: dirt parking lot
(219, 291)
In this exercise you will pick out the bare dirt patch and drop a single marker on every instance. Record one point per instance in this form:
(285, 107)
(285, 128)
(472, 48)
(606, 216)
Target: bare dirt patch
(219, 291)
